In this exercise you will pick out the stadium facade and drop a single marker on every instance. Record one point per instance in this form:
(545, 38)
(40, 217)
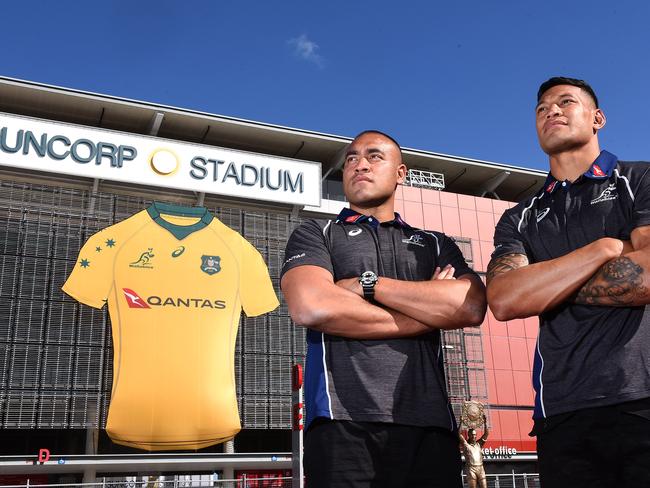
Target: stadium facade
(56, 355)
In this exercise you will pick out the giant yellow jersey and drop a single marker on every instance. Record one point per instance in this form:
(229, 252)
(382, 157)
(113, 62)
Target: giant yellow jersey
(175, 279)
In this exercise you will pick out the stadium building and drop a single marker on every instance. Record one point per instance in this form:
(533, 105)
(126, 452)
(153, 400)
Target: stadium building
(259, 179)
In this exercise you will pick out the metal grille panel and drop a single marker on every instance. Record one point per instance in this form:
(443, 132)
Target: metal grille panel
(56, 355)
(463, 355)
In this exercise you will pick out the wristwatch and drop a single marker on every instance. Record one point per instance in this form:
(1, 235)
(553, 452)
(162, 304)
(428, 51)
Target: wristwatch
(368, 280)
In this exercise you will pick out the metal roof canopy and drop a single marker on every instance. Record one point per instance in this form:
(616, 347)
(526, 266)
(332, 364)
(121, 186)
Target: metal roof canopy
(462, 175)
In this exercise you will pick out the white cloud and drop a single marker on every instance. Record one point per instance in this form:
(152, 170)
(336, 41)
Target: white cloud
(306, 49)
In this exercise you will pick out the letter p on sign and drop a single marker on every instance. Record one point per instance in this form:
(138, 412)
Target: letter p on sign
(43, 455)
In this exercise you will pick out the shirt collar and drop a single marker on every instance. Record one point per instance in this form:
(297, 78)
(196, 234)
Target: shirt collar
(350, 216)
(601, 168)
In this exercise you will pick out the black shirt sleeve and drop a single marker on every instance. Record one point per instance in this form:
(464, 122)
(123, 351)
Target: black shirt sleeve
(307, 246)
(507, 237)
(451, 254)
(641, 210)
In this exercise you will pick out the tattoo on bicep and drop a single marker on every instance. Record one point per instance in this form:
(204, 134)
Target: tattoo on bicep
(618, 282)
(505, 263)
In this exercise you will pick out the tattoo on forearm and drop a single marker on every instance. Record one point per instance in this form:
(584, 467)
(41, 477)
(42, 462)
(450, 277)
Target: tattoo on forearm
(505, 263)
(618, 282)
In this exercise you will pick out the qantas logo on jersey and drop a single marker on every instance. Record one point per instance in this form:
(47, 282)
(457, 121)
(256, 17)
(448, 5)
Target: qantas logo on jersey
(597, 171)
(135, 301)
(551, 186)
(608, 193)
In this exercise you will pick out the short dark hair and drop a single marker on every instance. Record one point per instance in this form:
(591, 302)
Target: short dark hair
(373, 131)
(562, 80)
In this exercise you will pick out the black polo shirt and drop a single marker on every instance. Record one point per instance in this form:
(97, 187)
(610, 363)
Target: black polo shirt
(586, 356)
(393, 380)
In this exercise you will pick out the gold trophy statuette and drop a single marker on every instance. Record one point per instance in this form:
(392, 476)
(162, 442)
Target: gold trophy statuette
(472, 414)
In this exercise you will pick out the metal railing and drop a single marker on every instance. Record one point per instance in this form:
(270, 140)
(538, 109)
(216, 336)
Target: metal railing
(512, 480)
(177, 482)
(425, 179)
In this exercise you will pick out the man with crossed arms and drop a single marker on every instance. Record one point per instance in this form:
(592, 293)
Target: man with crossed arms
(374, 293)
(577, 254)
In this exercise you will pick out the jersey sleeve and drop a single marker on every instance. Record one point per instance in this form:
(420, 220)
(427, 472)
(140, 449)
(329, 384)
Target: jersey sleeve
(256, 290)
(641, 210)
(92, 276)
(307, 246)
(507, 238)
(451, 254)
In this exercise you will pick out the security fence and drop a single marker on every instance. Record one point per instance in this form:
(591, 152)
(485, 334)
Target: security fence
(525, 480)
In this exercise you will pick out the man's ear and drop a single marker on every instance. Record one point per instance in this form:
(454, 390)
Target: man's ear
(599, 119)
(401, 173)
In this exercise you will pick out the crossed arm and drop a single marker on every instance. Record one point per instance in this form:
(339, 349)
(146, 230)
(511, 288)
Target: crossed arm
(607, 272)
(402, 308)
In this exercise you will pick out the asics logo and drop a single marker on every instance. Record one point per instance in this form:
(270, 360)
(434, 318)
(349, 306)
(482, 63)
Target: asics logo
(543, 213)
(355, 232)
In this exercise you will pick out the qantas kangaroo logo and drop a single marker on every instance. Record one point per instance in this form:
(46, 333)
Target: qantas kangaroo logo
(133, 299)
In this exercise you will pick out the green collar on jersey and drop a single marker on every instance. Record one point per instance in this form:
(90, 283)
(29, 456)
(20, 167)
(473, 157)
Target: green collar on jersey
(179, 231)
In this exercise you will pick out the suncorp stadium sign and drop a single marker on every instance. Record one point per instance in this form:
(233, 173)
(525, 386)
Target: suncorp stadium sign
(74, 150)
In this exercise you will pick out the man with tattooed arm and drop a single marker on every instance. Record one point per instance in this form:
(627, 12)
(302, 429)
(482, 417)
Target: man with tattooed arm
(577, 254)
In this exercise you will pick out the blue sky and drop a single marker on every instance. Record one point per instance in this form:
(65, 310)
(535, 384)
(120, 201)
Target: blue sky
(452, 77)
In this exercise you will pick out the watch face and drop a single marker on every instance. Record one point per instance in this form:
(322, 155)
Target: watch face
(368, 278)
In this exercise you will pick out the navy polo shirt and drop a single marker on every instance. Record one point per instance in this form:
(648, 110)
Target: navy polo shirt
(586, 355)
(394, 380)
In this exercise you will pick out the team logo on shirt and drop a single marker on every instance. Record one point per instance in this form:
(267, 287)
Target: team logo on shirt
(133, 299)
(608, 193)
(210, 264)
(415, 239)
(144, 260)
